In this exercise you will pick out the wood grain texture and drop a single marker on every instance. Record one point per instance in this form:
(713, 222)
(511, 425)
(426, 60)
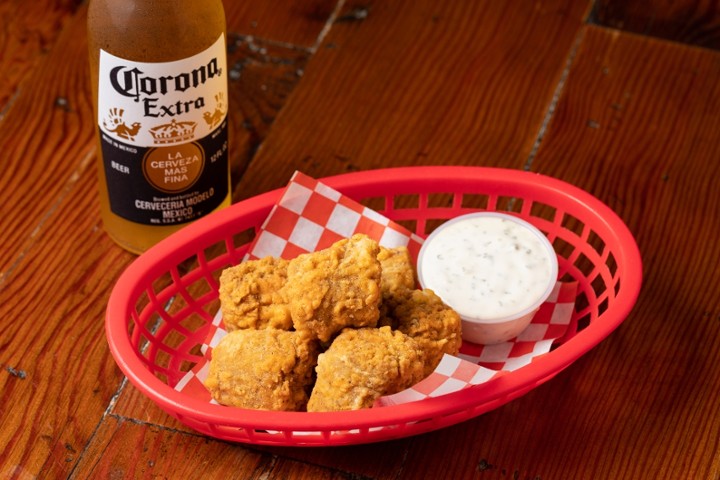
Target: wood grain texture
(55, 120)
(694, 22)
(125, 449)
(645, 142)
(30, 31)
(57, 374)
(262, 77)
(405, 84)
(268, 46)
(382, 461)
(48, 140)
(58, 268)
(630, 119)
(294, 23)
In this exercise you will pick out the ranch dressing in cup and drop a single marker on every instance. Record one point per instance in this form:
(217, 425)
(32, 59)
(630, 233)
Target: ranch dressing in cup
(493, 269)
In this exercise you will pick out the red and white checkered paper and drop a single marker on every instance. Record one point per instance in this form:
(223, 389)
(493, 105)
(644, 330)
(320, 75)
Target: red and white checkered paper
(311, 216)
(477, 364)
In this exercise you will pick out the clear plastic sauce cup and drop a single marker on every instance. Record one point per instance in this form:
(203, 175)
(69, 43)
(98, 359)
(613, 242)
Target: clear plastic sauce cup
(493, 269)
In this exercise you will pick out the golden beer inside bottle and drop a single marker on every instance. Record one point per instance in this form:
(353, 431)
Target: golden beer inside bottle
(159, 32)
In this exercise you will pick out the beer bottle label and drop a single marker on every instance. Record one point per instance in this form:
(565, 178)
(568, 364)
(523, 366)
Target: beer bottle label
(163, 135)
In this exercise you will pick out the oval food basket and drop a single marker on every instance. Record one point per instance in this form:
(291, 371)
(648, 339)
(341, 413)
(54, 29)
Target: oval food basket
(160, 311)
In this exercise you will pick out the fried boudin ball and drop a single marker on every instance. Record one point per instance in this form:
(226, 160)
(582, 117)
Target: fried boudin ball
(265, 369)
(250, 295)
(398, 273)
(362, 365)
(424, 317)
(397, 276)
(335, 288)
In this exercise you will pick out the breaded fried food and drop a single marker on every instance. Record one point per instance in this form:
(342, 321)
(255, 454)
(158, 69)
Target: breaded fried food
(362, 365)
(425, 318)
(398, 273)
(335, 288)
(265, 369)
(250, 295)
(397, 276)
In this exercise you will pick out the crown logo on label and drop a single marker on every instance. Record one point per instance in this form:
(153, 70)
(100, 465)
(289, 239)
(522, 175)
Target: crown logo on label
(173, 132)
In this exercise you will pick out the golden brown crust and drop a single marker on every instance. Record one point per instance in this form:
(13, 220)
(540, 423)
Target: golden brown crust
(334, 299)
(335, 288)
(362, 365)
(423, 316)
(398, 273)
(265, 369)
(250, 295)
(397, 276)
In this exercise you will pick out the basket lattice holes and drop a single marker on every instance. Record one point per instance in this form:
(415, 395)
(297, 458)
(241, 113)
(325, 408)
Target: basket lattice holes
(173, 314)
(582, 254)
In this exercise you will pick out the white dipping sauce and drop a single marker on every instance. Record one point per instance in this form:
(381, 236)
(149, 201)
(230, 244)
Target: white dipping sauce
(488, 266)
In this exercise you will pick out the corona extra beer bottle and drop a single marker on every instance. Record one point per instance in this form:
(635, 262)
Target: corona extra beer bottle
(159, 79)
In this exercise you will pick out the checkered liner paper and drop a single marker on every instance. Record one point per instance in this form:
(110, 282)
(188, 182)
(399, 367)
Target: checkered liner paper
(310, 216)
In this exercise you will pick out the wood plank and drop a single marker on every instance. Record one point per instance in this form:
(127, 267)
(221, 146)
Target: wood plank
(656, 159)
(61, 126)
(385, 460)
(49, 124)
(131, 403)
(269, 44)
(36, 25)
(659, 169)
(33, 363)
(123, 449)
(60, 266)
(30, 29)
(138, 449)
(297, 23)
(478, 97)
(127, 449)
(262, 77)
(693, 22)
(57, 372)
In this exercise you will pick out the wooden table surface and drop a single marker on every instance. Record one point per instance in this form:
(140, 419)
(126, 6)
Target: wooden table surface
(620, 98)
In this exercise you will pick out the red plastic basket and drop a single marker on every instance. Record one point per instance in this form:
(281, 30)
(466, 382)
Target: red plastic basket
(159, 311)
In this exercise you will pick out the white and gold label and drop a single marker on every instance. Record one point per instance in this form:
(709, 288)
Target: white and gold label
(163, 134)
(150, 104)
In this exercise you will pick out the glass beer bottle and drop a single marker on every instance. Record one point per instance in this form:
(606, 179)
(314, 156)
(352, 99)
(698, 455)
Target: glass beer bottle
(159, 79)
